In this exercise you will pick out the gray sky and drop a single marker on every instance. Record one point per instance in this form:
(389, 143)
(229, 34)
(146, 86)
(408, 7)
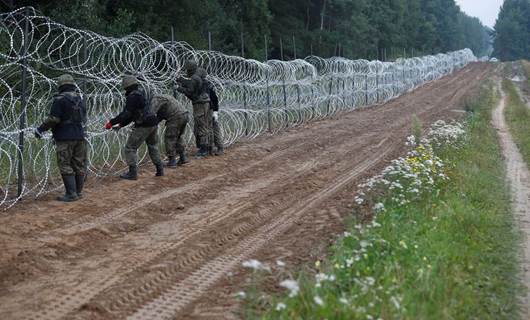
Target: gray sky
(486, 10)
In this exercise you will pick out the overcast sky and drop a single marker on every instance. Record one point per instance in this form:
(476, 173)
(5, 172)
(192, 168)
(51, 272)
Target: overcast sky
(486, 10)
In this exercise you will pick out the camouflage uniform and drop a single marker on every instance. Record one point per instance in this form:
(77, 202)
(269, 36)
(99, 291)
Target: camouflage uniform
(67, 118)
(138, 110)
(177, 117)
(139, 135)
(217, 140)
(197, 91)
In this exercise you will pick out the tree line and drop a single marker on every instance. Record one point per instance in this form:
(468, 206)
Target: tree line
(382, 29)
(512, 31)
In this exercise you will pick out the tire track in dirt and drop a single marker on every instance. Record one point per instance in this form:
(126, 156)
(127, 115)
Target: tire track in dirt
(195, 285)
(72, 301)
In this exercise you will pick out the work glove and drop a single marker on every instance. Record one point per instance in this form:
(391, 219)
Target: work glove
(108, 125)
(38, 133)
(215, 115)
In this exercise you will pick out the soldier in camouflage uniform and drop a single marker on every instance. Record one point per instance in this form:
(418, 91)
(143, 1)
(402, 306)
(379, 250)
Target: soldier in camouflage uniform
(138, 110)
(176, 117)
(197, 91)
(216, 129)
(66, 120)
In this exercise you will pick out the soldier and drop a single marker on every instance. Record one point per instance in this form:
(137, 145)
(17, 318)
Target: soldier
(196, 90)
(177, 117)
(67, 118)
(137, 110)
(214, 107)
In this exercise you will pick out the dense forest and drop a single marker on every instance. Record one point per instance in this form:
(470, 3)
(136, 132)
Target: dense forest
(512, 31)
(382, 29)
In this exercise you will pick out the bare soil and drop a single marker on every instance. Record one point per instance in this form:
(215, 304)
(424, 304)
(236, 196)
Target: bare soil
(172, 247)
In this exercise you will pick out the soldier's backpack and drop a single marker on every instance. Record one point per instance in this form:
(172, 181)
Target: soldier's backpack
(147, 116)
(76, 114)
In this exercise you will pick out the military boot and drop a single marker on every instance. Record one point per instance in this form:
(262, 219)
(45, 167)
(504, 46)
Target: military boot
(183, 159)
(159, 170)
(80, 182)
(220, 151)
(172, 162)
(131, 175)
(70, 189)
(203, 152)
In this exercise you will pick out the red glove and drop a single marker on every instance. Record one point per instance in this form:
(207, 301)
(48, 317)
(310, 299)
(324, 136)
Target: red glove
(108, 125)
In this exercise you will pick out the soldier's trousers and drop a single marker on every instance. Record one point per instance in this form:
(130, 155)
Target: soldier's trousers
(174, 136)
(139, 135)
(202, 126)
(72, 157)
(217, 134)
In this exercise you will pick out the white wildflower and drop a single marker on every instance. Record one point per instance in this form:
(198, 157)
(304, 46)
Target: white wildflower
(379, 207)
(280, 306)
(241, 294)
(364, 243)
(292, 286)
(318, 300)
(280, 263)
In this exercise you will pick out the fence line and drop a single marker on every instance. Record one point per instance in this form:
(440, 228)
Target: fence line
(256, 97)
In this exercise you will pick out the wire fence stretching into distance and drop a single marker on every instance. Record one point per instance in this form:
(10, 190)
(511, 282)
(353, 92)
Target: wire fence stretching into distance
(256, 97)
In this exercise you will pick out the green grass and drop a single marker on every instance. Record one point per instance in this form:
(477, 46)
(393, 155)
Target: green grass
(448, 255)
(518, 117)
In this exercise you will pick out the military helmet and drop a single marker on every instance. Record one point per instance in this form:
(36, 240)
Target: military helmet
(191, 65)
(65, 79)
(128, 81)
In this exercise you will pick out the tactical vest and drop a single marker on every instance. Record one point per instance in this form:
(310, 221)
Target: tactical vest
(73, 117)
(144, 116)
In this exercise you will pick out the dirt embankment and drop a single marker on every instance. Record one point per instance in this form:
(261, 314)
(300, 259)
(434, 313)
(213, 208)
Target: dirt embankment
(172, 247)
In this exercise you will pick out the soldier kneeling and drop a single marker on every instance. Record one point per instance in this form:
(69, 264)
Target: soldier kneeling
(66, 120)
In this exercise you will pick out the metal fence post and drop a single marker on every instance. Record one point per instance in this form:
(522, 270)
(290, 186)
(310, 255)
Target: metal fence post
(330, 93)
(245, 106)
(267, 85)
(23, 104)
(366, 89)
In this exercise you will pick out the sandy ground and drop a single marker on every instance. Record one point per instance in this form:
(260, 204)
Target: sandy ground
(519, 179)
(172, 247)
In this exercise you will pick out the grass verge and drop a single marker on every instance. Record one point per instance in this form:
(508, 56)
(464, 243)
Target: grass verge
(447, 254)
(518, 118)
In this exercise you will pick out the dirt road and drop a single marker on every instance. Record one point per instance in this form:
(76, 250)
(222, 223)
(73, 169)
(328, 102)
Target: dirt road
(519, 179)
(172, 247)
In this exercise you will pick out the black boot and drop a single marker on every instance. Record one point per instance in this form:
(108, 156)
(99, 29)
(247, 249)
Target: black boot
(159, 170)
(80, 182)
(172, 162)
(220, 151)
(131, 175)
(70, 189)
(183, 159)
(203, 152)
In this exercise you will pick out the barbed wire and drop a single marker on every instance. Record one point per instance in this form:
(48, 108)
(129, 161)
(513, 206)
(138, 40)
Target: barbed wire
(256, 97)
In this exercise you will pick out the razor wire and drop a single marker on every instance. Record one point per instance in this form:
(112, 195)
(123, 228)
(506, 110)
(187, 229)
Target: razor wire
(256, 97)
